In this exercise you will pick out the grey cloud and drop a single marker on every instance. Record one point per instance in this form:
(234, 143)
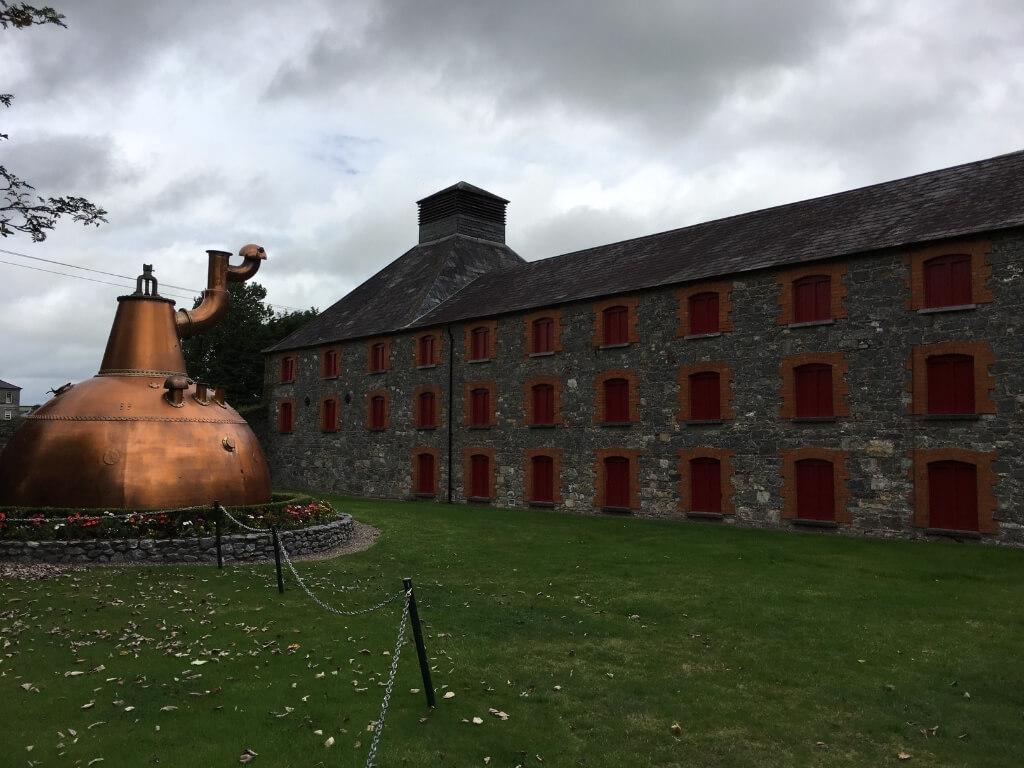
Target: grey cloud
(66, 164)
(667, 61)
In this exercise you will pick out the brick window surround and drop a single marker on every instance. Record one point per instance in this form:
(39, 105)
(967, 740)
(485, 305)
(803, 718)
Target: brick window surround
(633, 456)
(556, 385)
(631, 303)
(840, 387)
(492, 341)
(416, 453)
(982, 460)
(467, 403)
(370, 362)
(467, 473)
(330, 362)
(326, 424)
(724, 383)
(555, 455)
(835, 271)
(432, 340)
(555, 315)
(435, 420)
(285, 415)
(981, 270)
(724, 458)
(984, 381)
(683, 295)
(634, 395)
(369, 409)
(840, 475)
(287, 369)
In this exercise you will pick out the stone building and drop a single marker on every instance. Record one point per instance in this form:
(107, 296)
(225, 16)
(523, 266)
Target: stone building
(853, 362)
(10, 410)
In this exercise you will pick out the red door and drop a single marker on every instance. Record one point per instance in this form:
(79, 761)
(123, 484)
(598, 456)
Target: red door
(815, 490)
(480, 477)
(616, 482)
(947, 281)
(705, 485)
(543, 404)
(543, 479)
(704, 313)
(813, 390)
(616, 325)
(616, 400)
(425, 473)
(953, 496)
(811, 299)
(705, 397)
(950, 384)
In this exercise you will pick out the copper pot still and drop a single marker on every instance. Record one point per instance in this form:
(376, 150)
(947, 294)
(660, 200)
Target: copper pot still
(141, 434)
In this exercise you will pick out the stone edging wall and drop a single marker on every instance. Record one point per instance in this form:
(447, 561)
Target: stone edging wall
(235, 547)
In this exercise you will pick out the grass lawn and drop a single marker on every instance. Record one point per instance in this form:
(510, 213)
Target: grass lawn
(595, 635)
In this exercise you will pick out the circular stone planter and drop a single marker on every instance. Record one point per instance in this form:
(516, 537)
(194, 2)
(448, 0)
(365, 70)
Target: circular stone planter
(238, 547)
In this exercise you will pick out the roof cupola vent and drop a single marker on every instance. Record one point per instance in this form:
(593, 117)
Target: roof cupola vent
(462, 209)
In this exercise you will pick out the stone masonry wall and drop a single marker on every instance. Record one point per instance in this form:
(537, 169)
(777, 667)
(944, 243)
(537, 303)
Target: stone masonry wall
(235, 548)
(875, 335)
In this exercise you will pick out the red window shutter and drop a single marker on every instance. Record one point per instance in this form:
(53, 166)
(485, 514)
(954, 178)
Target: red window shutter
(950, 384)
(815, 490)
(378, 357)
(330, 415)
(616, 482)
(377, 412)
(287, 369)
(953, 495)
(812, 299)
(704, 313)
(543, 404)
(812, 386)
(284, 417)
(705, 396)
(705, 485)
(480, 480)
(947, 281)
(425, 473)
(426, 356)
(616, 325)
(426, 409)
(616, 400)
(544, 335)
(480, 408)
(543, 479)
(330, 368)
(480, 343)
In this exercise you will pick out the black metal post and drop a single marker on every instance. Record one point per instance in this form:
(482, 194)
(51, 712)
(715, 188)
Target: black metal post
(277, 559)
(421, 650)
(220, 555)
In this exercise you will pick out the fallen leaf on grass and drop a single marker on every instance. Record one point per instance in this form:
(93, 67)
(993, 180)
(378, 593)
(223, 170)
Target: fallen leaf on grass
(478, 721)
(903, 756)
(89, 705)
(168, 708)
(498, 713)
(449, 695)
(329, 742)
(677, 730)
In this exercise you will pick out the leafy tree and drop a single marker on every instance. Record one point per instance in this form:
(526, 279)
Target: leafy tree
(230, 353)
(21, 210)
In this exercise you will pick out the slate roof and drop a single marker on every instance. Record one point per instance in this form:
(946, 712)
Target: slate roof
(981, 196)
(404, 290)
(6, 385)
(976, 197)
(462, 186)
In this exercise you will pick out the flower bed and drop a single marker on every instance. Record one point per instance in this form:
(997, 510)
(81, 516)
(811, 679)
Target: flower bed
(286, 511)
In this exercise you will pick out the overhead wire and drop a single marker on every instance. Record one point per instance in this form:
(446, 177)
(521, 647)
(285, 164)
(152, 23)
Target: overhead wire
(194, 292)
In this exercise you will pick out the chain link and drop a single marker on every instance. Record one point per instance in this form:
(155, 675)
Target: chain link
(325, 606)
(239, 523)
(371, 755)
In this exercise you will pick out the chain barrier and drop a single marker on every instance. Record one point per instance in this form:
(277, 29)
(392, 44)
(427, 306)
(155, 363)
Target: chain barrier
(371, 754)
(331, 609)
(239, 523)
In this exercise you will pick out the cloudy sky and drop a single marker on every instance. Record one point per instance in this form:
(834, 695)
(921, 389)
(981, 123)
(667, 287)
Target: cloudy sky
(313, 127)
